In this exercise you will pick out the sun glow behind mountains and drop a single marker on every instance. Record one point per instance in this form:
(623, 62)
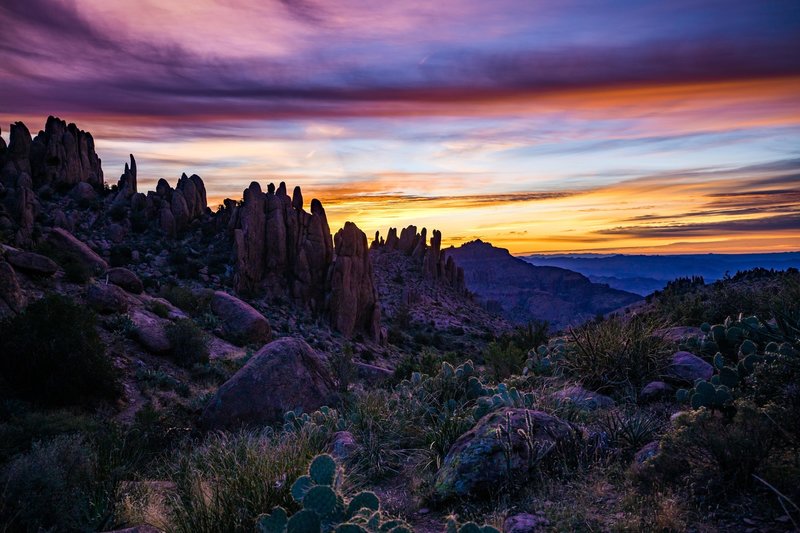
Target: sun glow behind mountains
(540, 127)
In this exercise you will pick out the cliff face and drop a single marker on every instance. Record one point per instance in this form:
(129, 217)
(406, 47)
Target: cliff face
(434, 263)
(523, 292)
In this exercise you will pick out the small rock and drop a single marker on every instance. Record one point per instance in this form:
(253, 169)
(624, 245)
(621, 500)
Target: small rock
(584, 399)
(117, 233)
(10, 293)
(656, 390)
(122, 277)
(687, 367)
(106, 298)
(150, 332)
(83, 192)
(525, 523)
(343, 445)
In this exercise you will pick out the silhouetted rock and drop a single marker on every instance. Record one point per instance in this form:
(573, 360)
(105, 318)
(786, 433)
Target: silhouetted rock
(127, 187)
(241, 322)
(353, 296)
(65, 155)
(285, 374)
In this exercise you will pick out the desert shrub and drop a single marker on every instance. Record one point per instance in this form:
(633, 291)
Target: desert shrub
(76, 271)
(720, 454)
(504, 359)
(139, 222)
(117, 212)
(629, 431)
(50, 488)
(425, 361)
(343, 368)
(120, 255)
(619, 355)
(187, 300)
(228, 480)
(51, 353)
(189, 342)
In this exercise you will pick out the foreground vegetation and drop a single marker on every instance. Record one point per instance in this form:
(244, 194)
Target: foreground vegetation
(723, 453)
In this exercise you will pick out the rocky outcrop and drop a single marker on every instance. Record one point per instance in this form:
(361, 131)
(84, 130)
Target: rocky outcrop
(59, 158)
(66, 244)
(353, 296)
(282, 250)
(169, 210)
(476, 463)
(285, 374)
(241, 323)
(64, 155)
(428, 255)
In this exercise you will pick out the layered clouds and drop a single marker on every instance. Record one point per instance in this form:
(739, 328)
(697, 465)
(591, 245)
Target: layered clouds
(537, 125)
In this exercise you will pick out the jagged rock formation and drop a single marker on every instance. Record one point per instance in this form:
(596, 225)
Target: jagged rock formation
(281, 250)
(434, 263)
(173, 209)
(60, 157)
(64, 155)
(353, 297)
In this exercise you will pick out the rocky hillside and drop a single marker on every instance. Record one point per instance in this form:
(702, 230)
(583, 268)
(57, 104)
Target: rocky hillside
(523, 292)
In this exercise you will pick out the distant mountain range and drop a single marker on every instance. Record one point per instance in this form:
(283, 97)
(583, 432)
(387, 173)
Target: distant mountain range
(643, 274)
(522, 292)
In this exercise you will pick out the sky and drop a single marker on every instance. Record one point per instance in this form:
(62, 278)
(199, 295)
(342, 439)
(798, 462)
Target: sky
(537, 125)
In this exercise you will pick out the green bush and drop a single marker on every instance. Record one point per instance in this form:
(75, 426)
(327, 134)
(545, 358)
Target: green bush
(189, 342)
(51, 353)
(50, 488)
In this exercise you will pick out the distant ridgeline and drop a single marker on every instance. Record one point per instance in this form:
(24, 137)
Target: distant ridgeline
(276, 247)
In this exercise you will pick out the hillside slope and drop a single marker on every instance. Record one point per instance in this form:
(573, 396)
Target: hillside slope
(523, 292)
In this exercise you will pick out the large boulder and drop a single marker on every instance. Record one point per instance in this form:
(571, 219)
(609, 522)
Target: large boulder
(122, 277)
(106, 298)
(33, 263)
(476, 463)
(241, 322)
(656, 390)
(685, 367)
(150, 331)
(284, 375)
(67, 244)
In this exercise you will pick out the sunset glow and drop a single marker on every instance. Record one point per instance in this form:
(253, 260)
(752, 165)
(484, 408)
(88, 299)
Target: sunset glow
(538, 126)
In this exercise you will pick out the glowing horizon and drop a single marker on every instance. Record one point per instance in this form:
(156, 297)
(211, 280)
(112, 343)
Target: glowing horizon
(542, 128)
